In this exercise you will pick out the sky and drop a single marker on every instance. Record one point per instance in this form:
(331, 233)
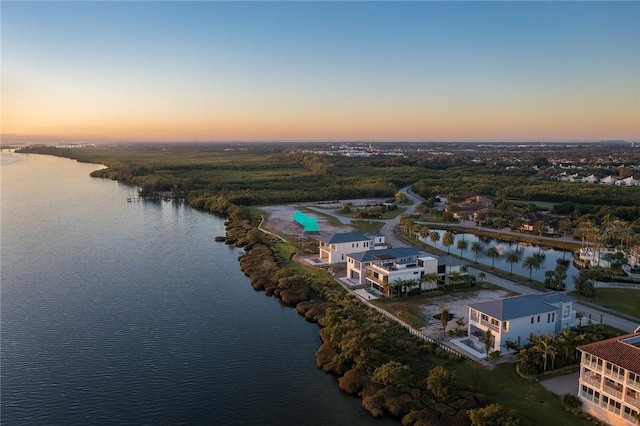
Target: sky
(334, 71)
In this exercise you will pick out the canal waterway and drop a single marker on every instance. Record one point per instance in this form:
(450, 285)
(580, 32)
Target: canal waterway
(550, 256)
(131, 313)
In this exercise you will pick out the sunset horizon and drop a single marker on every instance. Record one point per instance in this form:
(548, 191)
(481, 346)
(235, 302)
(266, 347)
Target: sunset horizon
(351, 72)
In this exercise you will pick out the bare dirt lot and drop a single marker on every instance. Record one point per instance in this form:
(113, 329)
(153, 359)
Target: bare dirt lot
(457, 306)
(279, 219)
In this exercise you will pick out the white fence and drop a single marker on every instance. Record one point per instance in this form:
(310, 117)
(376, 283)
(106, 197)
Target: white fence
(413, 330)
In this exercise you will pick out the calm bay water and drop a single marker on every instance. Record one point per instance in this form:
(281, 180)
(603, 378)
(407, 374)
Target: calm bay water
(130, 313)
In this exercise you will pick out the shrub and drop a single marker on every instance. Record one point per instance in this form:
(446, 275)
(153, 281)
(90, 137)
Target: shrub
(494, 355)
(571, 403)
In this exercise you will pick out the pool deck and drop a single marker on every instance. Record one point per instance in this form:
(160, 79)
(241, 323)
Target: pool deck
(365, 294)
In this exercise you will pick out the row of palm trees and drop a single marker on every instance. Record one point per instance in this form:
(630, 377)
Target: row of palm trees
(529, 263)
(610, 232)
(547, 352)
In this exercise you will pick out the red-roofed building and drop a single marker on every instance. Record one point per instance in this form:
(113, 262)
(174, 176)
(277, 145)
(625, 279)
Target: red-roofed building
(610, 380)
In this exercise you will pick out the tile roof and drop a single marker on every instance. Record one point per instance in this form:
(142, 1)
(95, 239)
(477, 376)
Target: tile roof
(623, 351)
(519, 306)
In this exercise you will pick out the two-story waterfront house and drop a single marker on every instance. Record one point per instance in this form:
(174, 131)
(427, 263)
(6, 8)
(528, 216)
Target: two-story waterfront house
(514, 319)
(448, 265)
(334, 248)
(609, 384)
(382, 269)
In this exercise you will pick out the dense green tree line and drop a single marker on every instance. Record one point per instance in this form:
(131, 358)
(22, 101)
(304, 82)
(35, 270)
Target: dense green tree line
(269, 175)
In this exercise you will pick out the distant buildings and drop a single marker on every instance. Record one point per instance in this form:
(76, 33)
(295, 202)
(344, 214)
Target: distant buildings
(609, 385)
(470, 208)
(609, 180)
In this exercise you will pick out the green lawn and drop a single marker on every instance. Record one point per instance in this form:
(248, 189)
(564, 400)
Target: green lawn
(622, 300)
(542, 205)
(535, 404)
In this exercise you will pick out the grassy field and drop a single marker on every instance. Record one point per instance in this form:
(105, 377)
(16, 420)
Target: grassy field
(535, 404)
(622, 300)
(542, 205)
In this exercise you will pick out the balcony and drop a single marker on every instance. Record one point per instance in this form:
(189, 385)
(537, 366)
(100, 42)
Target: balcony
(614, 375)
(615, 390)
(592, 365)
(381, 280)
(489, 325)
(632, 401)
(633, 384)
(593, 380)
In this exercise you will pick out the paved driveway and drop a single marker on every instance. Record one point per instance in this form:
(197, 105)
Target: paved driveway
(561, 385)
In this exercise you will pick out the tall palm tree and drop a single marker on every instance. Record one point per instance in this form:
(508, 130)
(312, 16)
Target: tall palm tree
(531, 262)
(462, 245)
(511, 258)
(493, 253)
(424, 232)
(476, 247)
(430, 277)
(563, 227)
(444, 318)
(538, 227)
(434, 236)
(623, 232)
(447, 240)
(516, 224)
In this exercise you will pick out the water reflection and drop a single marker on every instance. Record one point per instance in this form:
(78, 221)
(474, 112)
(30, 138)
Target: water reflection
(550, 257)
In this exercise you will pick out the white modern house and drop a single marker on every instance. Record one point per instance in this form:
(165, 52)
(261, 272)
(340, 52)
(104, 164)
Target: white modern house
(334, 248)
(381, 268)
(448, 265)
(629, 181)
(590, 179)
(514, 319)
(609, 385)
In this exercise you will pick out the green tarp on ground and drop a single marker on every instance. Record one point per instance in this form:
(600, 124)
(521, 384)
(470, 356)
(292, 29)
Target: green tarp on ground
(309, 223)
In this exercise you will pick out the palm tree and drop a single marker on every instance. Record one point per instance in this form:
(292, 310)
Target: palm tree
(462, 245)
(447, 240)
(516, 224)
(455, 277)
(538, 227)
(431, 277)
(623, 232)
(408, 225)
(481, 276)
(511, 258)
(476, 247)
(481, 217)
(493, 253)
(499, 223)
(444, 318)
(563, 228)
(434, 236)
(424, 232)
(531, 262)
(397, 284)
